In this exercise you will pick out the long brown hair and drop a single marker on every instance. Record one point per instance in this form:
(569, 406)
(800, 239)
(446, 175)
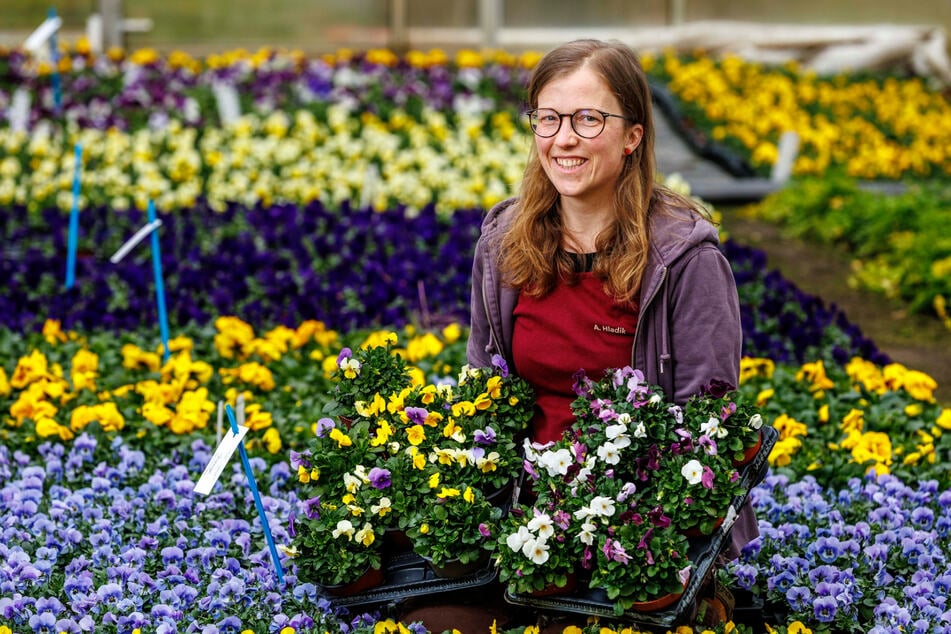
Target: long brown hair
(532, 259)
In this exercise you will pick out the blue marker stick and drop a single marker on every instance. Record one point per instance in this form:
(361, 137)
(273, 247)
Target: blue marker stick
(159, 285)
(54, 60)
(74, 222)
(257, 497)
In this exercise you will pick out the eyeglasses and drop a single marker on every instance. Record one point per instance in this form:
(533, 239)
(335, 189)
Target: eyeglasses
(586, 123)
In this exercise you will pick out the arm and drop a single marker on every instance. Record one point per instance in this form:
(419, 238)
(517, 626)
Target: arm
(479, 331)
(705, 332)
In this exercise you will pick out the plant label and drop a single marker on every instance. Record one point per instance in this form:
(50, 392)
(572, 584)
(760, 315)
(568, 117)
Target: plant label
(19, 113)
(219, 459)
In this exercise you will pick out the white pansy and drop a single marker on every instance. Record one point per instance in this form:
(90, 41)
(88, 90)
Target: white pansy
(344, 527)
(556, 463)
(640, 430)
(756, 421)
(609, 454)
(692, 471)
(351, 482)
(517, 540)
(587, 533)
(542, 525)
(624, 419)
(603, 506)
(536, 550)
(613, 431)
(714, 428)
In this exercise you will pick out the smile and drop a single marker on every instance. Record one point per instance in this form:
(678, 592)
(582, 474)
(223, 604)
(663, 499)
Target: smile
(569, 162)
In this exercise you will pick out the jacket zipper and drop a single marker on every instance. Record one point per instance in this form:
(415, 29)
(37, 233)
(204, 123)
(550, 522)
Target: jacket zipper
(640, 319)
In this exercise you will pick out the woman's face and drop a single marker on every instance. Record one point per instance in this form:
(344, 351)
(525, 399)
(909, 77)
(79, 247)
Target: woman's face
(585, 171)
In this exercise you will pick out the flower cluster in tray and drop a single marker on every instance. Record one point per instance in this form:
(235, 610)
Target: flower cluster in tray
(614, 501)
(399, 453)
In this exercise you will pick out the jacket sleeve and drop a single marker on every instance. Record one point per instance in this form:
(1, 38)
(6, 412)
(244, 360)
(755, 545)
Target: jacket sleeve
(706, 337)
(479, 330)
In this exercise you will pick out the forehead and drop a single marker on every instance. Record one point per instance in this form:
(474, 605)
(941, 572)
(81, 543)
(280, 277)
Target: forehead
(582, 88)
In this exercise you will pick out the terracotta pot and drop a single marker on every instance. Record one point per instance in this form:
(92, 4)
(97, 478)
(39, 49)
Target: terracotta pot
(749, 453)
(371, 578)
(659, 603)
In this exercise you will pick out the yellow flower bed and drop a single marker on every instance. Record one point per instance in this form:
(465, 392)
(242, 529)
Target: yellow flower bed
(869, 128)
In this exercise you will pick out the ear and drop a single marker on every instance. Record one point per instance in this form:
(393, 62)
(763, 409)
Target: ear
(634, 136)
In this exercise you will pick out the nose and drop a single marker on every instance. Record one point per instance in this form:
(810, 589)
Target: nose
(566, 133)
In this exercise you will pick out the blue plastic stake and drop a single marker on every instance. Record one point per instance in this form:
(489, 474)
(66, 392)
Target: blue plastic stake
(74, 222)
(54, 60)
(159, 285)
(257, 497)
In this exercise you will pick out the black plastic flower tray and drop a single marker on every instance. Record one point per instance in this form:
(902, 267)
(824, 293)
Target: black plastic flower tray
(703, 553)
(406, 575)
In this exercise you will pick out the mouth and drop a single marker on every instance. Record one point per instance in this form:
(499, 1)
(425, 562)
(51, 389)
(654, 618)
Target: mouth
(569, 163)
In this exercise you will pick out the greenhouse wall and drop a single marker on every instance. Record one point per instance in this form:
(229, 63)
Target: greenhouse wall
(318, 26)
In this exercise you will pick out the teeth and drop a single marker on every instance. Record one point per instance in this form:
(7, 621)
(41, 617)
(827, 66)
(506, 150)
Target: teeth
(569, 162)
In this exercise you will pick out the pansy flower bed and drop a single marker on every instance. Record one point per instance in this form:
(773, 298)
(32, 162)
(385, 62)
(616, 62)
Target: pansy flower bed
(122, 528)
(348, 199)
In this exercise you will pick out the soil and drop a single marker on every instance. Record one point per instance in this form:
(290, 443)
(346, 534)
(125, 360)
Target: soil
(919, 342)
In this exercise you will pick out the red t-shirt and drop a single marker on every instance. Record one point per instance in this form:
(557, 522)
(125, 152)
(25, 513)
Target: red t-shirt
(572, 328)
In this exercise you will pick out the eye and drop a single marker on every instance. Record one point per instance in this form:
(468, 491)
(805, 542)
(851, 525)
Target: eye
(588, 117)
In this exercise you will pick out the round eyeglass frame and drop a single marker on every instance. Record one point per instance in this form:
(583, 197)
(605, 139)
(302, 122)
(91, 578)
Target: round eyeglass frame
(571, 121)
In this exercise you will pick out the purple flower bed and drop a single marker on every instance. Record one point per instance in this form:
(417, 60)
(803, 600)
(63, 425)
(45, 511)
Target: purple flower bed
(870, 557)
(277, 265)
(351, 268)
(100, 538)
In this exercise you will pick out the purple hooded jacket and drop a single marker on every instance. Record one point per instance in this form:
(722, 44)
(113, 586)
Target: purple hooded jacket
(688, 329)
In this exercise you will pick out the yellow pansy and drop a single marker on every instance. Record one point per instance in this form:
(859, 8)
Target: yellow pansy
(30, 368)
(493, 387)
(853, 421)
(46, 427)
(448, 492)
(783, 451)
(763, 397)
(751, 368)
(157, 413)
(419, 460)
(944, 419)
(463, 408)
(272, 440)
(134, 358)
(815, 374)
(416, 434)
(255, 418)
(375, 407)
(53, 332)
(341, 438)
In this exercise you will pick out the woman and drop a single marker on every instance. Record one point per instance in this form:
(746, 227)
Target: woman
(594, 265)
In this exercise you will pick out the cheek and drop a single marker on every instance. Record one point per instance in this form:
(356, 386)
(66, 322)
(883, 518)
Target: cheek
(542, 145)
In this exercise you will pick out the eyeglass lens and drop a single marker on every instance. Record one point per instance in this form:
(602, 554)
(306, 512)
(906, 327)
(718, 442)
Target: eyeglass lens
(586, 123)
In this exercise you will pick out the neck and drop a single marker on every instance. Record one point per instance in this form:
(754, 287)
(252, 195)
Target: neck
(581, 228)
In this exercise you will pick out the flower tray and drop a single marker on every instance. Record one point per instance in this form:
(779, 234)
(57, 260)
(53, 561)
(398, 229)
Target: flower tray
(406, 574)
(702, 553)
